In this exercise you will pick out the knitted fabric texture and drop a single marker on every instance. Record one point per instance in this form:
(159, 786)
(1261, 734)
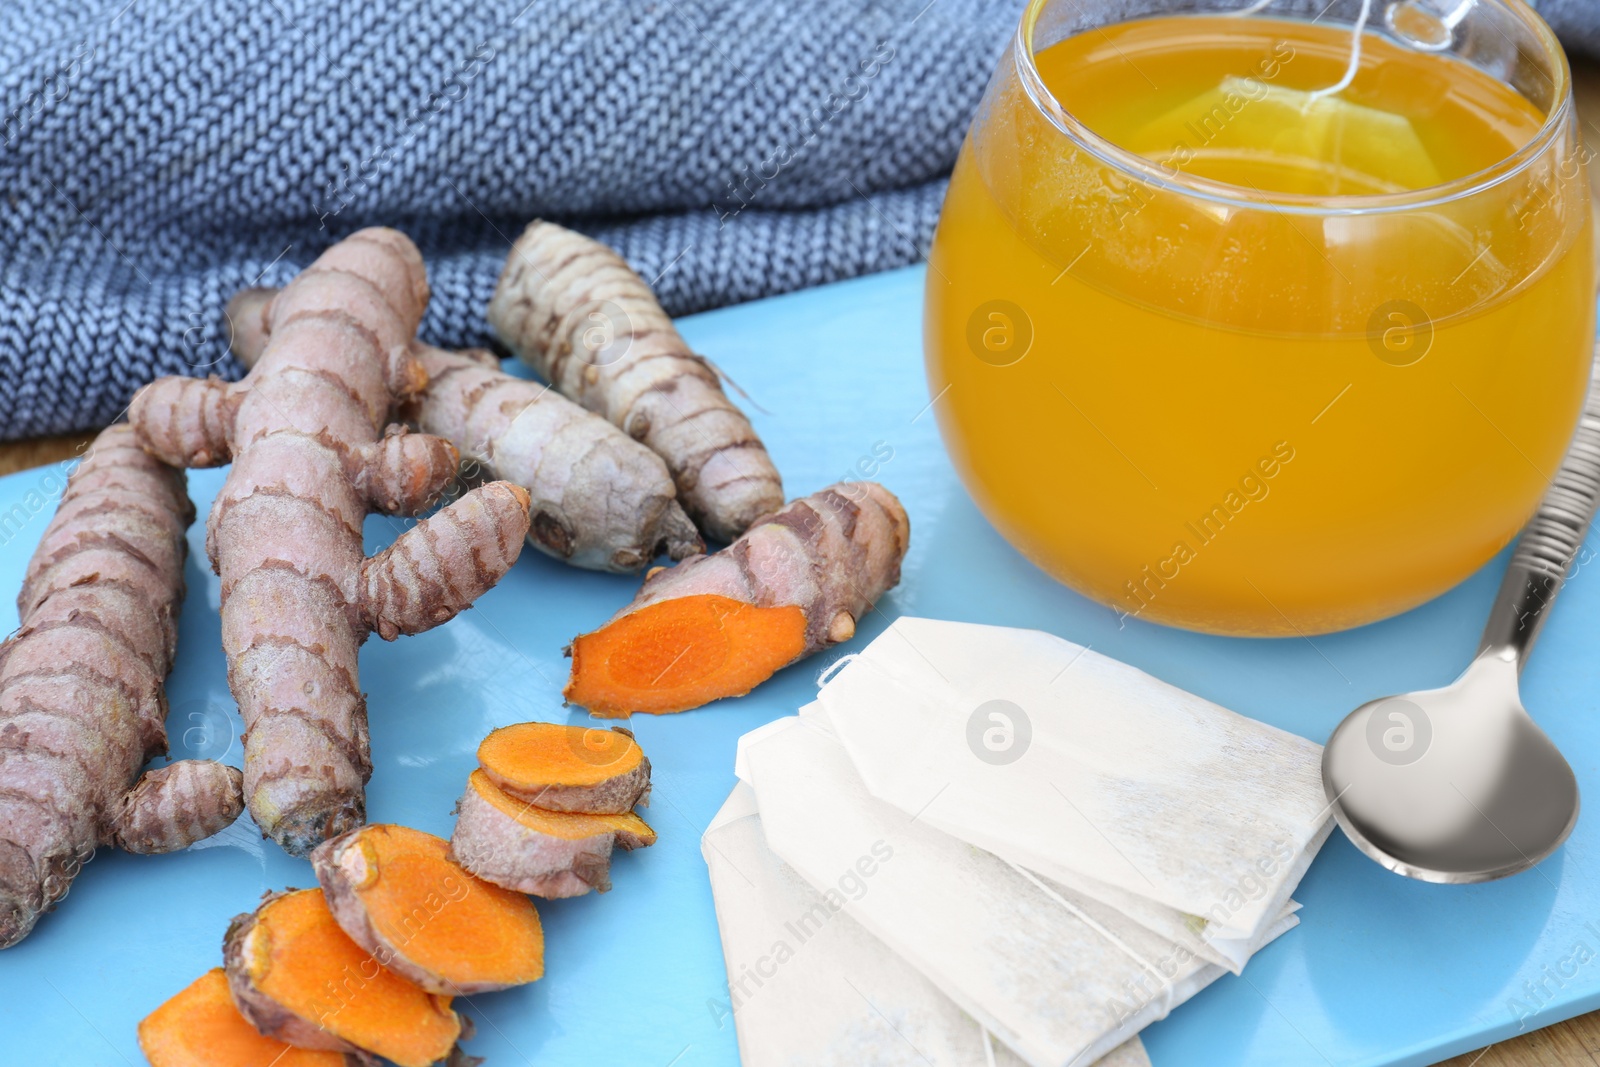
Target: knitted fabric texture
(160, 155)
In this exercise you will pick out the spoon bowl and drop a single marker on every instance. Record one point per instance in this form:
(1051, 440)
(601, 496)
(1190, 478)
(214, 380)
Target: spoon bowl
(1458, 784)
(1451, 785)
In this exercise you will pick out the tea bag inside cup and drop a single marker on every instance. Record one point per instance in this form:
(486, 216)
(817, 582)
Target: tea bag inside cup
(1084, 770)
(1249, 127)
(807, 984)
(1057, 977)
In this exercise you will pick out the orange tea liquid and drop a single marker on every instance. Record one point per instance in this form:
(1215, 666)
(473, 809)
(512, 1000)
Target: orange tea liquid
(1249, 417)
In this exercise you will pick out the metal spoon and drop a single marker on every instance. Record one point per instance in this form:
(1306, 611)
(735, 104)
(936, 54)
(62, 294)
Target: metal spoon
(1458, 784)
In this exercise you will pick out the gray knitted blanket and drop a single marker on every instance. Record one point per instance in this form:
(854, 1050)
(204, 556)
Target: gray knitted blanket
(161, 155)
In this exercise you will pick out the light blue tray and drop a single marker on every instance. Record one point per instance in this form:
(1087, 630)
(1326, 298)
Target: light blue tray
(1381, 970)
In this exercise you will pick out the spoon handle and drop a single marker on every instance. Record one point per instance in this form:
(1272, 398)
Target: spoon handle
(1550, 542)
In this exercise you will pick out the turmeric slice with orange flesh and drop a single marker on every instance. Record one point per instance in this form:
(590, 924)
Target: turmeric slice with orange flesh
(719, 625)
(550, 854)
(678, 654)
(200, 1027)
(297, 976)
(567, 768)
(398, 895)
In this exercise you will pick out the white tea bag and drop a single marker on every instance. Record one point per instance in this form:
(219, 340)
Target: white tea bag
(1060, 979)
(808, 987)
(1174, 925)
(1085, 770)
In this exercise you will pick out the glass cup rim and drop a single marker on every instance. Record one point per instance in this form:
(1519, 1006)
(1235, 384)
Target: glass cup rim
(1143, 169)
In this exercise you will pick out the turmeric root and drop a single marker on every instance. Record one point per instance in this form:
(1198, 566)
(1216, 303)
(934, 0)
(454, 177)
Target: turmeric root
(600, 500)
(305, 432)
(82, 703)
(717, 626)
(397, 894)
(547, 853)
(577, 313)
(298, 978)
(567, 768)
(172, 807)
(247, 314)
(200, 1027)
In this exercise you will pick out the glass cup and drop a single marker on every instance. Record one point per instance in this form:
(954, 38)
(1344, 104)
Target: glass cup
(1262, 413)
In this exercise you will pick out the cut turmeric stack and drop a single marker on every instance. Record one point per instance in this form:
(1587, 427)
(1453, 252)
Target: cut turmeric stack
(548, 806)
(364, 967)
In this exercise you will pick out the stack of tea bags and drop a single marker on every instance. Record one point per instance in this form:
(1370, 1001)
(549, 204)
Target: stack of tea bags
(988, 846)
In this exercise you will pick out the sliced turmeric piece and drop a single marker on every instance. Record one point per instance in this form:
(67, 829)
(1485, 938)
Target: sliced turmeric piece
(567, 768)
(399, 896)
(297, 976)
(678, 654)
(200, 1027)
(547, 853)
(719, 625)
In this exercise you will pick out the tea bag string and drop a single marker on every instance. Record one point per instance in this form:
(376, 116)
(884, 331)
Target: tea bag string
(1355, 47)
(1355, 55)
(988, 1045)
(1089, 921)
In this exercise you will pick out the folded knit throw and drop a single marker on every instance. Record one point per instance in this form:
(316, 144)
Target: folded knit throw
(160, 155)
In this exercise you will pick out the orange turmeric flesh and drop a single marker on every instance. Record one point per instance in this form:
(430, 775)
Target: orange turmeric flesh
(297, 976)
(551, 854)
(629, 830)
(567, 768)
(200, 1027)
(395, 891)
(678, 654)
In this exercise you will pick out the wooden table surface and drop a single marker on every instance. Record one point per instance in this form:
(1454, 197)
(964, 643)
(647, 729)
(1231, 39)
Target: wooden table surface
(1574, 1042)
